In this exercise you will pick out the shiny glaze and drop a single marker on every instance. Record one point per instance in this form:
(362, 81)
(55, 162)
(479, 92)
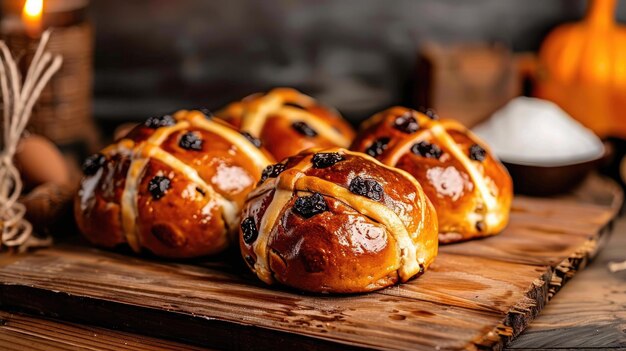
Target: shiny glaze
(472, 198)
(199, 211)
(357, 245)
(270, 116)
(219, 163)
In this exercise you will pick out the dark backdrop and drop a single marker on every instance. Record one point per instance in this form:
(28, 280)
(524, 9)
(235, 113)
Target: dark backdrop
(153, 56)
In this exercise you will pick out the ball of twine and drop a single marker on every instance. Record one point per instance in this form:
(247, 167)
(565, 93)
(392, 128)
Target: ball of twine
(18, 99)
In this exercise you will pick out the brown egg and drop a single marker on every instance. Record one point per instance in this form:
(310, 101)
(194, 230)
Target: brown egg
(49, 206)
(40, 161)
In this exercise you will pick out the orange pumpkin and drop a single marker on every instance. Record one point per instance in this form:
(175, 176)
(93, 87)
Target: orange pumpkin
(583, 69)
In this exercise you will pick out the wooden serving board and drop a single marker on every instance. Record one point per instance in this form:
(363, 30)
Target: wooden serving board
(477, 295)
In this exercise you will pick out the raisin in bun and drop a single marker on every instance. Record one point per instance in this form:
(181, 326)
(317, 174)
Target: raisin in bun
(288, 122)
(470, 189)
(174, 185)
(337, 221)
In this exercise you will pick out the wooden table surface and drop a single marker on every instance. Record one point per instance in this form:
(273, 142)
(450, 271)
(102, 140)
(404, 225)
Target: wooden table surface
(589, 312)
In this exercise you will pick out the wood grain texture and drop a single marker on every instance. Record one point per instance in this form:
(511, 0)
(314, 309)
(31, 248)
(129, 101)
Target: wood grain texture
(590, 311)
(478, 295)
(20, 332)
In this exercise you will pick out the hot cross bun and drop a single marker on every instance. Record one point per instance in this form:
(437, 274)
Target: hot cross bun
(288, 122)
(332, 220)
(468, 186)
(174, 185)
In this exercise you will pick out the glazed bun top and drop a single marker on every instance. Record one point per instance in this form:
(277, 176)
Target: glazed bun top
(288, 122)
(174, 185)
(337, 221)
(470, 188)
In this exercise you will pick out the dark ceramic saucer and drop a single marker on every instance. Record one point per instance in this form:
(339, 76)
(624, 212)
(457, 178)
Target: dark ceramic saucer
(545, 180)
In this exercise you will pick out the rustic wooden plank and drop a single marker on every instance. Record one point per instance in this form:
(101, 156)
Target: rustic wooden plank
(590, 311)
(472, 282)
(241, 299)
(396, 313)
(20, 332)
(521, 246)
(478, 294)
(541, 232)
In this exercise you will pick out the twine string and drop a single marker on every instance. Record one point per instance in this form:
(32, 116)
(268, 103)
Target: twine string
(18, 100)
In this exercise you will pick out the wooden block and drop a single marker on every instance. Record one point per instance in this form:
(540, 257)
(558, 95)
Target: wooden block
(467, 82)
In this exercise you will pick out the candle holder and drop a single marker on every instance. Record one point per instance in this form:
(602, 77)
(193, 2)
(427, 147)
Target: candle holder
(64, 111)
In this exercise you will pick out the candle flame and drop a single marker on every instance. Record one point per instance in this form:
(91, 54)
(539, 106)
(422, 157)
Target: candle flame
(33, 9)
(31, 16)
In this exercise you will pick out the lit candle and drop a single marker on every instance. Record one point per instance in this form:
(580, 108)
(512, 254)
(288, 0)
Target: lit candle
(63, 113)
(31, 16)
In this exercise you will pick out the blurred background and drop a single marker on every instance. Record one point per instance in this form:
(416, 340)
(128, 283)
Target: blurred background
(465, 59)
(153, 56)
(125, 61)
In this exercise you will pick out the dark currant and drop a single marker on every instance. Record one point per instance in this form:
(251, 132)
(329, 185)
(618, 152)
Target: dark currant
(326, 159)
(162, 121)
(190, 141)
(406, 123)
(158, 186)
(367, 187)
(477, 153)
(378, 146)
(249, 230)
(249, 261)
(272, 171)
(429, 112)
(426, 149)
(309, 206)
(304, 129)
